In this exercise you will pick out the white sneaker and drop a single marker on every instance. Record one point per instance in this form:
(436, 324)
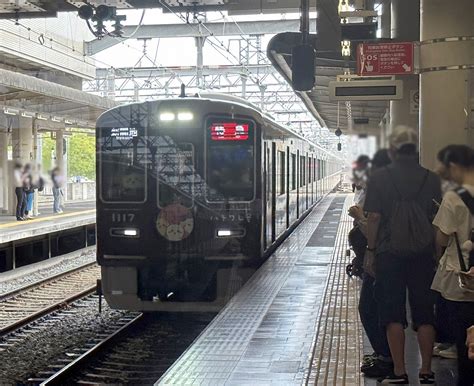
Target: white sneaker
(450, 353)
(439, 347)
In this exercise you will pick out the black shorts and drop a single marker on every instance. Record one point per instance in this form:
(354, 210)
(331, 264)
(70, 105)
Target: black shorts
(396, 275)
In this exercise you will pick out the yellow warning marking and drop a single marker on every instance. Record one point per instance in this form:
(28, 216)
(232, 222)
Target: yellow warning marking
(41, 219)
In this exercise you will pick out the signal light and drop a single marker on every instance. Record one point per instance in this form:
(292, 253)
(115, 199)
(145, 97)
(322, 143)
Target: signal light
(104, 12)
(86, 12)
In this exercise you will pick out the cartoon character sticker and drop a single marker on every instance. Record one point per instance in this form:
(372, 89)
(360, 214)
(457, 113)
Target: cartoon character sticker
(175, 222)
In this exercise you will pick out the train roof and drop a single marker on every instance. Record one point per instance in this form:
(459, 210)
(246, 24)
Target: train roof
(231, 99)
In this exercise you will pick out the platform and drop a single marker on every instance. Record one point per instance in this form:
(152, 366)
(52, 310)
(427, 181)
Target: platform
(265, 335)
(76, 214)
(295, 321)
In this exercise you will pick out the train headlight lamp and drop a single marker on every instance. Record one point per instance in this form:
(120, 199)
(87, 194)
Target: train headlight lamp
(130, 232)
(167, 117)
(185, 116)
(235, 232)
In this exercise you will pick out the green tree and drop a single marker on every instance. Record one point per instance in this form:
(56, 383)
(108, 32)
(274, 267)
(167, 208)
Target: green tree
(81, 156)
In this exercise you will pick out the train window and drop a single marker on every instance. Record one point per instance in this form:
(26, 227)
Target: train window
(176, 173)
(281, 156)
(302, 171)
(123, 160)
(310, 168)
(315, 169)
(293, 171)
(230, 159)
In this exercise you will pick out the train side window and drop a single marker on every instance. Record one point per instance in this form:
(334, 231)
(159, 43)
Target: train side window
(281, 156)
(293, 171)
(310, 174)
(302, 171)
(123, 159)
(315, 169)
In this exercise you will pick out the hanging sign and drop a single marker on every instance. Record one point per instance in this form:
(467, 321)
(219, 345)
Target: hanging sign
(385, 58)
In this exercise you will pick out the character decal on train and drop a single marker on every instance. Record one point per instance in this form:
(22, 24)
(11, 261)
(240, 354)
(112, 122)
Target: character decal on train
(175, 222)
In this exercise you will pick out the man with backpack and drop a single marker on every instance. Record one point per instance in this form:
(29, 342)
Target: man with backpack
(400, 250)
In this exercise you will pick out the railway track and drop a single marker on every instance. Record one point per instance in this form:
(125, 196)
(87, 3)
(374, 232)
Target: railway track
(28, 303)
(138, 352)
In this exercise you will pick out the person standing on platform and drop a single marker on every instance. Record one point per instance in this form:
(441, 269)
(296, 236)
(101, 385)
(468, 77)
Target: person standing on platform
(57, 179)
(400, 250)
(29, 191)
(455, 223)
(378, 364)
(18, 177)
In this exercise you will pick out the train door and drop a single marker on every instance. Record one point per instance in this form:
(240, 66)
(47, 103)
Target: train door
(268, 215)
(273, 190)
(288, 156)
(298, 183)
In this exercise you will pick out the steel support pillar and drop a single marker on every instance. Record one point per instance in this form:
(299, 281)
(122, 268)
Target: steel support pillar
(4, 170)
(405, 26)
(199, 61)
(447, 76)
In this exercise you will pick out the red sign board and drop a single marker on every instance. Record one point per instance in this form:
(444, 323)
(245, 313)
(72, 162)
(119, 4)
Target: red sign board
(230, 131)
(385, 58)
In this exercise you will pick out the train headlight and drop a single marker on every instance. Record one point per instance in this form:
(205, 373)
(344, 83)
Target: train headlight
(167, 117)
(125, 232)
(185, 116)
(235, 232)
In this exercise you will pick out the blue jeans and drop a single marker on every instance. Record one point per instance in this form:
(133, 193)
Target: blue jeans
(56, 199)
(29, 201)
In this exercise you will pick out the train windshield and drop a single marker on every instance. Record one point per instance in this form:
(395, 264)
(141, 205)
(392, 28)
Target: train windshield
(123, 164)
(230, 160)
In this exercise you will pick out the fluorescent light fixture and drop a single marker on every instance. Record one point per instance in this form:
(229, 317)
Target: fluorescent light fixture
(224, 233)
(69, 122)
(56, 119)
(167, 117)
(10, 111)
(185, 116)
(27, 114)
(41, 117)
(130, 232)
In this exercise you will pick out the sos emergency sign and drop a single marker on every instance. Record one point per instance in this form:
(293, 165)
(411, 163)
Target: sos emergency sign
(385, 58)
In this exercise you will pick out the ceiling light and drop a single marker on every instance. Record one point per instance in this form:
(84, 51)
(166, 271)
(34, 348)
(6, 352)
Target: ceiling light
(41, 117)
(10, 111)
(27, 114)
(56, 119)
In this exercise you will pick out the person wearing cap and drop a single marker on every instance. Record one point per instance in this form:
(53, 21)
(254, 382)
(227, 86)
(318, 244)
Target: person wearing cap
(395, 274)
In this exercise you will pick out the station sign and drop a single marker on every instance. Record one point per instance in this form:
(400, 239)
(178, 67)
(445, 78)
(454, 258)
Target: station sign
(385, 58)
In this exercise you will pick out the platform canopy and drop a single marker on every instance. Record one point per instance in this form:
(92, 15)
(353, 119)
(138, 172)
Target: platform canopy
(37, 98)
(329, 65)
(49, 8)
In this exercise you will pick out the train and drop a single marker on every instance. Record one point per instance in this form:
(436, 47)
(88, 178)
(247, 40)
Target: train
(194, 194)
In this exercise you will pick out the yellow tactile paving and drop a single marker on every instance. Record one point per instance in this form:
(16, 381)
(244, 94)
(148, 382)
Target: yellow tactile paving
(338, 346)
(43, 219)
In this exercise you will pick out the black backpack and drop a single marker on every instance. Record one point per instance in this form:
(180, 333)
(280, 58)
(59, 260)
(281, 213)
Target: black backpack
(411, 232)
(40, 184)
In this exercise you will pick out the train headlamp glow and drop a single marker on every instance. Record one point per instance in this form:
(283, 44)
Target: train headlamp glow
(234, 232)
(185, 116)
(130, 232)
(167, 117)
